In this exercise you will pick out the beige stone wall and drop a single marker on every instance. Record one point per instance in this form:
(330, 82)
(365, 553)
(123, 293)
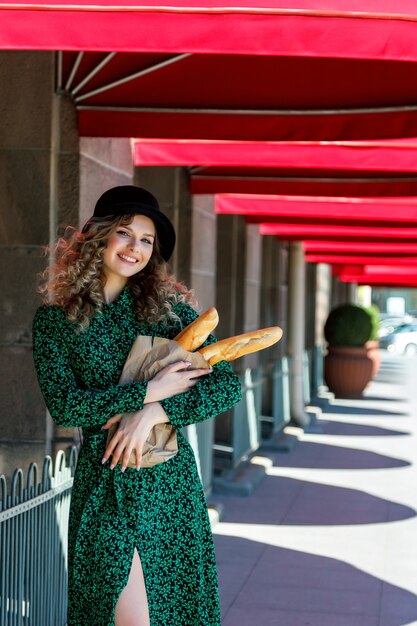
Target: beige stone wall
(322, 298)
(252, 286)
(230, 275)
(170, 186)
(341, 293)
(274, 291)
(104, 163)
(38, 193)
(310, 305)
(203, 251)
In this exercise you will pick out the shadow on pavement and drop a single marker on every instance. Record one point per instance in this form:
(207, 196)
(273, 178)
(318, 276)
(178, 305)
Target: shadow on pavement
(346, 430)
(289, 501)
(325, 456)
(360, 410)
(269, 586)
(382, 399)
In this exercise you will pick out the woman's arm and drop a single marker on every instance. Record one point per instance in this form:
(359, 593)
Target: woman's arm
(68, 404)
(212, 395)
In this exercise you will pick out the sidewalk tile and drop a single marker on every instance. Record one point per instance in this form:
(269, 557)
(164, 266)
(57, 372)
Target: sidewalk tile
(329, 538)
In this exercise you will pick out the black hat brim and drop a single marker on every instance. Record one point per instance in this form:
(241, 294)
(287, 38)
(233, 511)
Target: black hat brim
(164, 230)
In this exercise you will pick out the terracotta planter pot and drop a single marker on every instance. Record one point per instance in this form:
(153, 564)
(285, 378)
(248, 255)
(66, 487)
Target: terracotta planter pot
(374, 354)
(347, 371)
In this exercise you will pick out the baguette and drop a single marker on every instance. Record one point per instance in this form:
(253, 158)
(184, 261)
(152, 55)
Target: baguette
(197, 332)
(234, 347)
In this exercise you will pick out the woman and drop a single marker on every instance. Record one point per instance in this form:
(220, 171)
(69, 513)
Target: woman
(140, 545)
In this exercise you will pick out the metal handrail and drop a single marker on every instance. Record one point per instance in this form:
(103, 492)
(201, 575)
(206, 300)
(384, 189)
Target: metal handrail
(33, 543)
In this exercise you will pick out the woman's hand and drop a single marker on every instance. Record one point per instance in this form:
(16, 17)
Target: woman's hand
(173, 379)
(132, 433)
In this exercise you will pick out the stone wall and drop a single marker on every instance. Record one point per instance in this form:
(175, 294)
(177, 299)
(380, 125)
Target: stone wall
(204, 251)
(104, 163)
(170, 186)
(38, 193)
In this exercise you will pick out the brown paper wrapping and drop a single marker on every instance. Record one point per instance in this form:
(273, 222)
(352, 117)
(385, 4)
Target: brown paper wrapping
(146, 358)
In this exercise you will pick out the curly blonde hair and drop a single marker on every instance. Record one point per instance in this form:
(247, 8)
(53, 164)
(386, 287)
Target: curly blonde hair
(75, 279)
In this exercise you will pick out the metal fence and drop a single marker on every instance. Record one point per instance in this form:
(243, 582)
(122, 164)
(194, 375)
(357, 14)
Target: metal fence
(33, 543)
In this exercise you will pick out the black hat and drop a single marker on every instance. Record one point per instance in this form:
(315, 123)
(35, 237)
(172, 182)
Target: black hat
(130, 199)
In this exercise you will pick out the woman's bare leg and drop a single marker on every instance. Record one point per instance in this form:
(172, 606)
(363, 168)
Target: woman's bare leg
(132, 606)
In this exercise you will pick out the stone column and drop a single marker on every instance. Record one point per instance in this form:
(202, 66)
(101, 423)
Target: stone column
(203, 251)
(230, 302)
(296, 331)
(310, 304)
(268, 317)
(322, 309)
(323, 292)
(252, 289)
(170, 186)
(203, 281)
(342, 292)
(231, 264)
(318, 307)
(104, 163)
(250, 433)
(280, 293)
(38, 193)
(352, 292)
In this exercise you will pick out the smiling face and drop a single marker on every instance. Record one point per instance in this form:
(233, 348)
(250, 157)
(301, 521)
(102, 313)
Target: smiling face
(128, 251)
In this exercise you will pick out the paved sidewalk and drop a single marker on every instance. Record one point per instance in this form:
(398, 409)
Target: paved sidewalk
(329, 538)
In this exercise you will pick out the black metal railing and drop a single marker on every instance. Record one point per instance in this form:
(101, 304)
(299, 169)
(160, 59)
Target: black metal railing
(33, 543)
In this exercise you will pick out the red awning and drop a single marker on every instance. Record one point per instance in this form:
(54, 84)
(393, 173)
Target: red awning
(319, 28)
(240, 97)
(305, 182)
(387, 281)
(266, 72)
(364, 259)
(382, 156)
(322, 70)
(375, 270)
(357, 247)
(373, 167)
(378, 275)
(372, 210)
(325, 232)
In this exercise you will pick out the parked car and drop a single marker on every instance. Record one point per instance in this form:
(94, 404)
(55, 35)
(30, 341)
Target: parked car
(402, 340)
(387, 325)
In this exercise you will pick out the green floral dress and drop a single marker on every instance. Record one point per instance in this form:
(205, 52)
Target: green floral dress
(161, 510)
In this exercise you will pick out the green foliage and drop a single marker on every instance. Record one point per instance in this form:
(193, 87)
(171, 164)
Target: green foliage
(350, 325)
(374, 313)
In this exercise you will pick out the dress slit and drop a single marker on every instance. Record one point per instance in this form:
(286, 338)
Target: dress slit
(131, 597)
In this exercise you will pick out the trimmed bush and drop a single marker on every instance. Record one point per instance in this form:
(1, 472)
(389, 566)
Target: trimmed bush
(350, 325)
(374, 311)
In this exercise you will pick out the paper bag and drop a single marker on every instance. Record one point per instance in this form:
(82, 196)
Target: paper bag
(146, 358)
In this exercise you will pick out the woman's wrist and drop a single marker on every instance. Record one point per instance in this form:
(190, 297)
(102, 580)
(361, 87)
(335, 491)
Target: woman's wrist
(149, 394)
(155, 414)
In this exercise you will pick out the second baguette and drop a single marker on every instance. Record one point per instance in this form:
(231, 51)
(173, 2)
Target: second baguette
(195, 334)
(234, 347)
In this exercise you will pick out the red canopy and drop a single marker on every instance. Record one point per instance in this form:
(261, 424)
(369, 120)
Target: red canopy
(341, 232)
(305, 182)
(397, 155)
(378, 275)
(316, 28)
(390, 210)
(266, 72)
(362, 259)
(357, 247)
(324, 70)
(377, 167)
